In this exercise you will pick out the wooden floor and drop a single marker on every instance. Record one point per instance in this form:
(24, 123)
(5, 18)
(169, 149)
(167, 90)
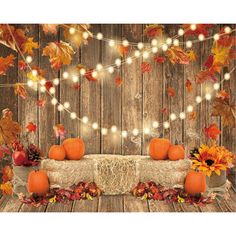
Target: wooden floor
(122, 203)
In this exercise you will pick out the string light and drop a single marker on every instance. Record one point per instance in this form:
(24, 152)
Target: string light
(216, 86)
(110, 69)
(111, 43)
(124, 134)
(42, 89)
(104, 131)
(180, 32)
(216, 37)
(182, 115)
(42, 82)
(28, 59)
(129, 60)
(146, 131)
(140, 45)
(66, 105)
(155, 124)
(154, 49)
(135, 132)
(198, 99)
(85, 119)
(72, 30)
(99, 67)
(34, 72)
(193, 27)
(227, 76)
(208, 96)
(113, 129)
(95, 74)
(30, 83)
(118, 62)
(95, 125)
(189, 44)
(56, 81)
(99, 36)
(54, 101)
(166, 125)
(145, 54)
(201, 37)
(189, 108)
(75, 78)
(227, 29)
(82, 71)
(52, 90)
(73, 115)
(85, 35)
(60, 107)
(173, 116)
(168, 41)
(154, 42)
(137, 53)
(176, 42)
(65, 75)
(125, 43)
(164, 47)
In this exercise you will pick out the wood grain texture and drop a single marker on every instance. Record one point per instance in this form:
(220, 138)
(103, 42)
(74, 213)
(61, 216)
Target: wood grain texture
(9, 204)
(133, 204)
(111, 203)
(213, 207)
(85, 206)
(160, 206)
(28, 208)
(59, 207)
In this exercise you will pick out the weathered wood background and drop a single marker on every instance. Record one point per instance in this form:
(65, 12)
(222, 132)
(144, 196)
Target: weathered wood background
(135, 104)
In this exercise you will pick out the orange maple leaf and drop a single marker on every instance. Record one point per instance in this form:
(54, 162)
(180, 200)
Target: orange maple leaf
(192, 55)
(22, 65)
(154, 30)
(29, 45)
(171, 92)
(6, 63)
(31, 127)
(212, 131)
(204, 75)
(50, 28)
(177, 55)
(188, 85)
(192, 115)
(122, 50)
(200, 29)
(223, 95)
(6, 188)
(118, 81)
(41, 102)
(145, 67)
(20, 90)
(7, 174)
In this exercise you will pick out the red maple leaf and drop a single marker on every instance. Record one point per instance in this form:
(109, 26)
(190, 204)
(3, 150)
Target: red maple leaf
(145, 67)
(212, 131)
(160, 59)
(48, 85)
(41, 102)
(31, 127)
(200, 29)
(188, 85)
(22, 65)
(89, 76)
(118, 81)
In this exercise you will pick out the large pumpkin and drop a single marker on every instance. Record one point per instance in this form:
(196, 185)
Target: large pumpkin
(158, 148)
(176, 152)
(38, 182)
(74, 148)
(57, 152)
(195, 182)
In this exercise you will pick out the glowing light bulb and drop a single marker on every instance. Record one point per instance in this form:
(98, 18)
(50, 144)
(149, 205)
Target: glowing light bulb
(104, 131)
(168, 41)
(182, 115)
(164, 47)
(75, 78)
(124, 134)
(154, 49)
(145, 54)
(85, 119)
(34, 72)
(227, 29)
(189, 44)
(154, 42)
(82, 71)
(216, 37)
(42, 82)
(60, 107)
(66, 105)
(135, 132)
(189, 108)
(140, 45)
(198, 99)
(176, 42)
(56, 81)
(113, 129)
(201, 37)
(73, 115)
(29, 59)
(118, 62)
(65, 75)
(95, 74)
(99, 36)
(111, 43)
(137, 53)
(193, 27)
(85, 35)
(173, 116)
(42, 89)
(216, 86)
(72, 30)
(166, 125)
(54, 101)
(146, 131)
(155, 124)
(227, 76)
(99, 67)
(125, 43)
(208, 96)
(110, 69)
(129, 60)
(180, 32)
(52, 90)
(30, 83)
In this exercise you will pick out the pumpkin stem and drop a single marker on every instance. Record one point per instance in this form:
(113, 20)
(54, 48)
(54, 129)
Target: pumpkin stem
(176, 142)
(161, 135)
(72, 135)
(57, 141)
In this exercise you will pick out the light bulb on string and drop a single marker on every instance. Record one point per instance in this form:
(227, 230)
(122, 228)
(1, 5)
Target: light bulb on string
(52, 90)
(166, 125)
(189, 44)
(227, 29)
(99, 67)
(182, 115)
(135, 132)
(72, 30)
(118, 62)
(137, 53)
(155, 124)
(154, 42)
(110, 69)
(34, 73)
(176, 42)
(85, 35)
(73, 115)
(30, 83)
(227, 76)
(145, 54)
(164, 47)
(180, 32)
(154, 49)
(193, 27)
(66, 105)
(82, 71)
(60, 107)
(85, 119)
(173, 116)
(208, 96)
(169, 41)
(198, 99)
(99, 36)
(42, 82)
(216, 86)
(111, 43)
(75, 78)
(140, 45)
(124, 134)
(29, 59)
(104, 131)
(42, 89)
(189, 108)
(113, 129)
(65, 75)
(54, 101)
(201, 37)
(125, 43)
(146, 131)
(216, 37)
(56, 81)
(129, 60)
(95, 74)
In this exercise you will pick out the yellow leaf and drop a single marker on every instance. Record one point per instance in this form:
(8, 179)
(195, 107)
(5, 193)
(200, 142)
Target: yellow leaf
(192, 55)
(218, 172)
(29, 45)
(6, 188)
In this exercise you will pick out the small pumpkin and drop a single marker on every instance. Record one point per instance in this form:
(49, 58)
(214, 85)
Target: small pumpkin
(74, 148)
(38, 182)
(176, 152)
(158, 148)
(195, 182)
(57, 152)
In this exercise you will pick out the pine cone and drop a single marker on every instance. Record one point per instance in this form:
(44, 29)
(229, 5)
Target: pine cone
(34, 153)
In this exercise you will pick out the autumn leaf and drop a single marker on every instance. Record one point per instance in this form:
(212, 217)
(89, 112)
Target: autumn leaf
(31, 127)
(50, 28)
(22, 65)
(177, 55)
(40, 75)
(164, 110)
(7, 174)
(154, 30)
(6, 188)
(41, 102)
(20, 90)
(9, 129)
(88, 75)
(60, 53)
(188, 85)
(212, 131)
(192, 55)
(159, 59)
(226, 111)
(6, 63)
(145, 67)
(48, 85)
(77, 86)
(29, 45)
(171, 92)
(203, 76)
(192, 115)
(200, 29)
(118, 81)
(223, 95)
(60, 131)
(122, 50)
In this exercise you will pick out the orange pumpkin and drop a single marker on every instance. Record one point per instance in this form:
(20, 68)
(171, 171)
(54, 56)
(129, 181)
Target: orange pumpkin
(158, 148)
(57, 152)
(195, 182)
(74, 148)
(176, 152)
(38, 182)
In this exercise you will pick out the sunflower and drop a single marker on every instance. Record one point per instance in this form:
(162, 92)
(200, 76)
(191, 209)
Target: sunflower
(212, 159)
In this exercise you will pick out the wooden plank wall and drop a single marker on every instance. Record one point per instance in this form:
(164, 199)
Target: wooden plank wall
(135, 104)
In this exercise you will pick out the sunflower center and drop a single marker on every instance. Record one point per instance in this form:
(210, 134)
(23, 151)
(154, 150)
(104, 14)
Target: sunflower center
(209, 162)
